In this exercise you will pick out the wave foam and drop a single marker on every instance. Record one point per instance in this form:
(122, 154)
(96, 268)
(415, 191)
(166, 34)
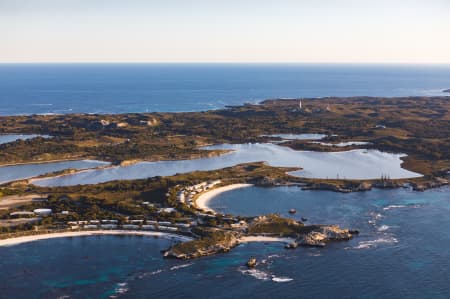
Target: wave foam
(281, 279)
(391, 207)
(258, 274)
(180, 266)
(375, 243)
(383, 228)
(121, 288)
(264, 276)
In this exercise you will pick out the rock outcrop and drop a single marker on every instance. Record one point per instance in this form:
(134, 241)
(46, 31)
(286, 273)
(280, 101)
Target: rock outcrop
(325, 186)
(251, 263)
(323, 235)
(434, 183)
(215, 242)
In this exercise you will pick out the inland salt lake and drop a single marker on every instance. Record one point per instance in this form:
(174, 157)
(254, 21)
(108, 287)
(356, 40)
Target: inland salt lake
(354, 164)
(6, 138)
(400, 253)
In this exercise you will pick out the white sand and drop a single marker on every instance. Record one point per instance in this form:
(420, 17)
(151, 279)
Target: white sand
(265, 239)
(25, 239)
(202, 201)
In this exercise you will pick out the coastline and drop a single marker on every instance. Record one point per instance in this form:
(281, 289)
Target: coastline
(247, 239)
(202, 200)
(26, 239)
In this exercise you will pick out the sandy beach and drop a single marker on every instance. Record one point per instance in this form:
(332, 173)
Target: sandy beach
(204, 198)
(248, 239)
(25, 239)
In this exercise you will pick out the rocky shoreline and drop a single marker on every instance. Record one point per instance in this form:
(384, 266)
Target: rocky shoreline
(214, 240)
(352, 186)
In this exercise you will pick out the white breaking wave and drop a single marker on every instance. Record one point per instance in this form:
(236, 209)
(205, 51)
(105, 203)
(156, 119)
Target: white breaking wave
(391, 207)
(375, 217)
(375, 243)
(150, 273)
(281, 279)
(180, 266)
(258, 274)
(383, 228)
(121, 288)
(265, 276)
(156, 272)
(273, 256)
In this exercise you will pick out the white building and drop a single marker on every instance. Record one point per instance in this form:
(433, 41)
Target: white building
(148, 227)
(108, 226)
(43, 212)
(130, 226)
(90, 226)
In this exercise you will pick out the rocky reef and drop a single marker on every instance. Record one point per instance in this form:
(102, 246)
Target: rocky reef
(433, 183)
(211, 241)
(322, 235)
(214, 240)
(347, 188)
(304, 235)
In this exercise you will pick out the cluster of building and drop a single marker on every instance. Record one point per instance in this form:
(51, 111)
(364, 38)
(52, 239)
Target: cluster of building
(36, 212)
(138, 224)
(188, 194)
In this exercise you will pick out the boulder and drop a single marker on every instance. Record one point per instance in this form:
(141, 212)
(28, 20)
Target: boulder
(251, 263)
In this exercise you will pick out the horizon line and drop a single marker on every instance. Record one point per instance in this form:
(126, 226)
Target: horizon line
(228, 62)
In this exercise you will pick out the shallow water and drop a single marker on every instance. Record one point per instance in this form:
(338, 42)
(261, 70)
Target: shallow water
(400, 253)
(24, 171)
(6, 138)
(355, 164)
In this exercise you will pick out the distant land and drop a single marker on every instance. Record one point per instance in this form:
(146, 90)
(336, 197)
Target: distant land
(446, 90)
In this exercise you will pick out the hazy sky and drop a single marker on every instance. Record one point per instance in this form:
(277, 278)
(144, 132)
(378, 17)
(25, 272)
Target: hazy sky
(415, 31)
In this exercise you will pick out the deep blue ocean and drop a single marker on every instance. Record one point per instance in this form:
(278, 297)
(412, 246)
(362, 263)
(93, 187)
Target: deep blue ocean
(402, 252)
(118, 88)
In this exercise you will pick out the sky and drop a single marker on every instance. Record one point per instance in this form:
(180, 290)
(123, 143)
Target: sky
(311, 31)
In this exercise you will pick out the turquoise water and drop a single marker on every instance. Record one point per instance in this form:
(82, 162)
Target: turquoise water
(120, 88)
(400, 253)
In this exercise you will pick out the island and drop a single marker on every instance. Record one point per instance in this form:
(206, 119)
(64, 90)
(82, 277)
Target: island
(171, 205)
(446, 90)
